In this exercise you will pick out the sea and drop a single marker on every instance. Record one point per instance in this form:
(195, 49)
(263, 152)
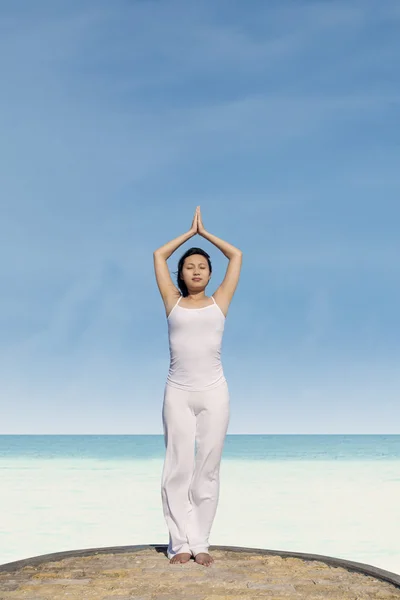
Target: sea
(332, 495)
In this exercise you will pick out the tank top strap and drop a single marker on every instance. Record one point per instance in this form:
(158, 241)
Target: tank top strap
(213, 300)
(177, 303)
(173, 308)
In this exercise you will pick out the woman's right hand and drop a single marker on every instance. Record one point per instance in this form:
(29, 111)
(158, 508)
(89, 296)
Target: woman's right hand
(193, 229)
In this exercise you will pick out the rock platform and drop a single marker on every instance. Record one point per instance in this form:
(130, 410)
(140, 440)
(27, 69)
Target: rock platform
(145, 573)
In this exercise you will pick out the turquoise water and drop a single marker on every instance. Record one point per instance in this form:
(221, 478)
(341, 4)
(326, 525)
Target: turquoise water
(237, 447)
(334, 495)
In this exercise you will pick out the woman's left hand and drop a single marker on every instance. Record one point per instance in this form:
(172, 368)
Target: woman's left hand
(200, 227)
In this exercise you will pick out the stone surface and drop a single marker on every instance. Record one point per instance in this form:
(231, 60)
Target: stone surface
(147, 574)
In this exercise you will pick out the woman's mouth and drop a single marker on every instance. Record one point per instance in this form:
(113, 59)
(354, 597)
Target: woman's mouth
(196, 278)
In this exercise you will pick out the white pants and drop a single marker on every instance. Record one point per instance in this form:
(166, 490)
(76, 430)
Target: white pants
(190, 482)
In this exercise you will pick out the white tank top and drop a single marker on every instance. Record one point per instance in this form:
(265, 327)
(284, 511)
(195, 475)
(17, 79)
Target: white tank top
(195, 339)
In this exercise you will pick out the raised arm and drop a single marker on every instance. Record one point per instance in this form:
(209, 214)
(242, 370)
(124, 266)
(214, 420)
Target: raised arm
(165, 284)
(224, 293)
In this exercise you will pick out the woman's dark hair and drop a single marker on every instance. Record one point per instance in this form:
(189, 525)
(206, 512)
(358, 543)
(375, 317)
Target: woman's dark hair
(181, 284)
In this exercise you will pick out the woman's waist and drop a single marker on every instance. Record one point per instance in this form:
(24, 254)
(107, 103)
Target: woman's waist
(195, 362)
(196, 384)
(193, 368)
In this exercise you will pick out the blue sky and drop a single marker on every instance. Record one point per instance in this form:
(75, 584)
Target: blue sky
(281, 120)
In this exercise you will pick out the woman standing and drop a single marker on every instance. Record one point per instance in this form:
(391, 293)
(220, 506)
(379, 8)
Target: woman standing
(196, 395)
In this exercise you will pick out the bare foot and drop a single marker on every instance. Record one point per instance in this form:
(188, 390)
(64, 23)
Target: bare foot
(203, 558)
(182, 557)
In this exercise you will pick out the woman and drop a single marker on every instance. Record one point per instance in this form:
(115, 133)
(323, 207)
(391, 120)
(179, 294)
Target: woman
(196, 396)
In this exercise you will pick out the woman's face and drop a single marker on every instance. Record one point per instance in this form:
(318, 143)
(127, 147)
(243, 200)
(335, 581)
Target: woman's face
(195, 266)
